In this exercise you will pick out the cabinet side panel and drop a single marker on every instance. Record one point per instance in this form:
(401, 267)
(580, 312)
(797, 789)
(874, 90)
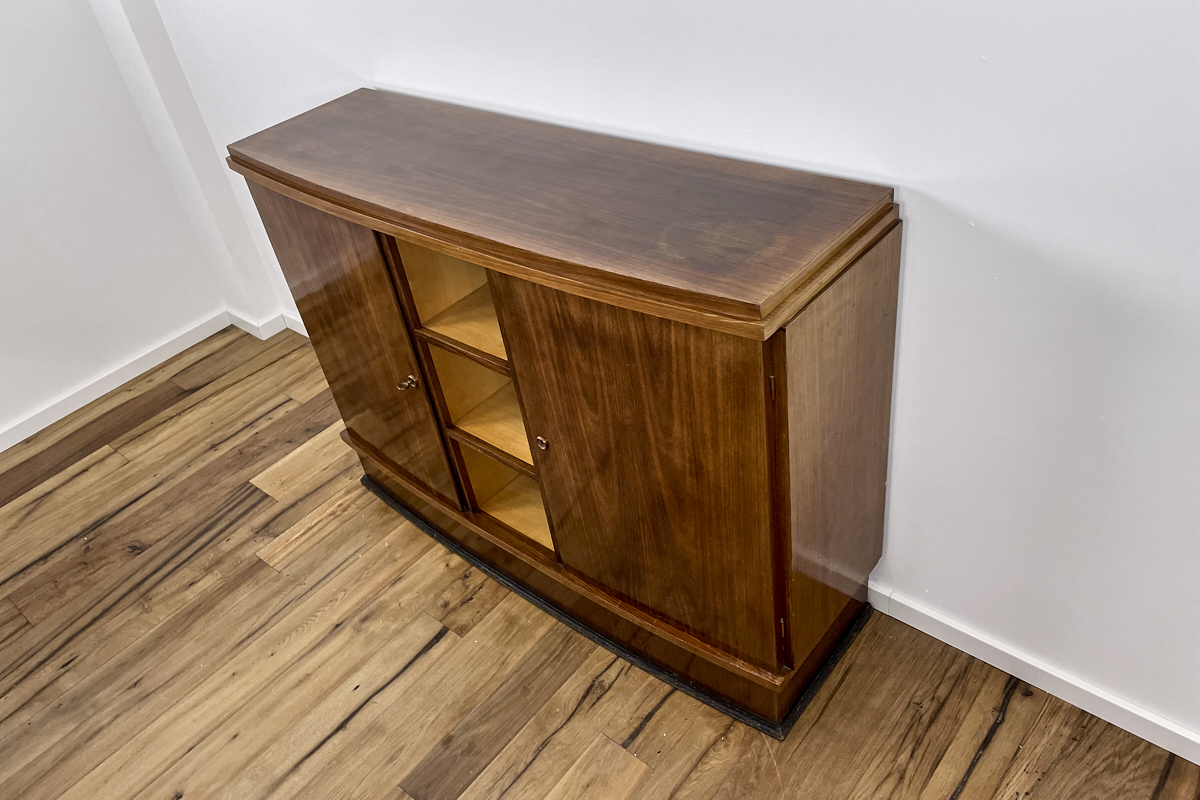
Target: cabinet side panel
(337, 274)
(839, 392)
(656, 471)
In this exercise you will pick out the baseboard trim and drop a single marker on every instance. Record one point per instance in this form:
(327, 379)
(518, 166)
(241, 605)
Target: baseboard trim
(270, 326)
(264, 329)
(148, 359)
(1093, 699)
(295, 323)
(79, 397)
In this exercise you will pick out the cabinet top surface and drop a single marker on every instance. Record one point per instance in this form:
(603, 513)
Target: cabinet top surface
(720, 236)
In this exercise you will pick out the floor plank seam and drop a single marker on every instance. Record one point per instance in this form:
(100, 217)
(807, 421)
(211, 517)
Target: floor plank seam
(1009, 690)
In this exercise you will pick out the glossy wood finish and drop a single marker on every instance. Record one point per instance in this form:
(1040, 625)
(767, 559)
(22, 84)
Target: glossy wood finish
(714, 241)
(338, 277)
(655, 481)
(839, 398)
(661, 378)
(232, 643)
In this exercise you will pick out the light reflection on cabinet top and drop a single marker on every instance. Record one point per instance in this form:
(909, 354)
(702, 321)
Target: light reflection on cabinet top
(725, 244)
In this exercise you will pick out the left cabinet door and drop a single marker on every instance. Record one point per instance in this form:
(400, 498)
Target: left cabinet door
(345, 295)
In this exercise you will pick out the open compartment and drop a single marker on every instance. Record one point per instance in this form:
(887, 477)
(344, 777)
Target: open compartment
(482, 407)
(452, 299)
(506, 495)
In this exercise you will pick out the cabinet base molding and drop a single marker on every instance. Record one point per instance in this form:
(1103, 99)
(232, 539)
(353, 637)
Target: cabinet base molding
(472, 548)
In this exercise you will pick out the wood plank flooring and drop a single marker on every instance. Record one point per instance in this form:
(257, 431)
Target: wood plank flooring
(199, 600)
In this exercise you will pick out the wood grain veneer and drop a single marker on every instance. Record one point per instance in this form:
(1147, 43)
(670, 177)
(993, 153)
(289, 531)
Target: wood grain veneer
(338, 277)
(478, 406)
(422, 273)
(436, 281)
(655, 485)
(839, 399)
(462, 383)
(713, 238)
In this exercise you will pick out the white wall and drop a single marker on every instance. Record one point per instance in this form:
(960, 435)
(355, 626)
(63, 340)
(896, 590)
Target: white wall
(98, 261)
(247, 275)
(1046, 450)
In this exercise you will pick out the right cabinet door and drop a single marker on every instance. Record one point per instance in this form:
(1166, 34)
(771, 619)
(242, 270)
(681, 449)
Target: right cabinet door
(655, 465)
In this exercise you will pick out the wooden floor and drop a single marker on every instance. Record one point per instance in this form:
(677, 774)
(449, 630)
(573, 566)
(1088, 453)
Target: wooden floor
(199, 600)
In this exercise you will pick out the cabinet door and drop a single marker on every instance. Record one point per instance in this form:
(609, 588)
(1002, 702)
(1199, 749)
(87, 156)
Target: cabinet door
(341, 284)
(655, 474)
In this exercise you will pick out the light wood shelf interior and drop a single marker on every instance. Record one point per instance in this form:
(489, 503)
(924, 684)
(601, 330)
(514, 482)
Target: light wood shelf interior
(508, 496)
(519, 506)
(497, 421)
(482, 403)
(472, 321)
(452, 298)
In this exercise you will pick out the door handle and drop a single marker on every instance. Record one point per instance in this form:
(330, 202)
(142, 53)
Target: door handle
(411, 383)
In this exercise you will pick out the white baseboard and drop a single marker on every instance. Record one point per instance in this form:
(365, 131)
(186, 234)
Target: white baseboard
(264, 329)
(1100, 702)
(268, 327)
(173, 345)
(295, 323)
(80, 396)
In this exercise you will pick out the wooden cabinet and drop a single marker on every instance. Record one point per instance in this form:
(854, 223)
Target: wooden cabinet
(649, 388)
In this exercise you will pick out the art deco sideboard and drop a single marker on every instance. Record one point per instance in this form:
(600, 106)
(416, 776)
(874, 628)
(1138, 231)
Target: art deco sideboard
(649, 387)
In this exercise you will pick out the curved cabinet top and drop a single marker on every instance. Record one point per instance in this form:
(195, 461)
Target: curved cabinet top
(725, 244)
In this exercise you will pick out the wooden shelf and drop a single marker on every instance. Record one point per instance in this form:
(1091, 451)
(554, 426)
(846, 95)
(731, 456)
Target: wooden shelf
(519, 506)
(497, 421)
(507, 496)
(471, 322)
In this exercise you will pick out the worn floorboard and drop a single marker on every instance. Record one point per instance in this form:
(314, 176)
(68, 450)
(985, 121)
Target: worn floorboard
(199, 600)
